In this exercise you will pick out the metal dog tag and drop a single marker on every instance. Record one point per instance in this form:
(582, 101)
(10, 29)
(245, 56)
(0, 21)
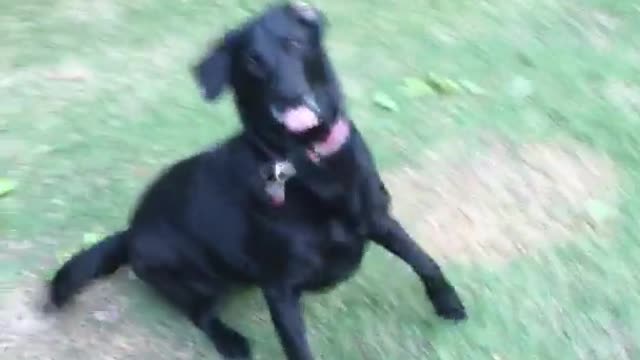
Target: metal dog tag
(276, 179)
(283, 171)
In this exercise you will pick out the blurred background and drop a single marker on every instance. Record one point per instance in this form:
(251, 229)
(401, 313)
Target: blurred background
(507, 130)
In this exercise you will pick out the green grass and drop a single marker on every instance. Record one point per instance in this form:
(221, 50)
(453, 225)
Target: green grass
(82, 151)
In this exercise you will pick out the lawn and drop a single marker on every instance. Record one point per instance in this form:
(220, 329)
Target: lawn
(519, 172)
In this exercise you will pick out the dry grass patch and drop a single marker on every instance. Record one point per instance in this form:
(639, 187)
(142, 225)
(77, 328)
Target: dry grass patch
(623, 95)
(95, 327)
(504, 201)
(84, 11)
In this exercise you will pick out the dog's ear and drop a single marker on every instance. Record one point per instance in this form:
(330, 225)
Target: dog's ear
(310, 15)
(212, 73)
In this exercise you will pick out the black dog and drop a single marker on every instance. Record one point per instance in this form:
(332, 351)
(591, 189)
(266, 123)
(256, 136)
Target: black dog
(221, 218)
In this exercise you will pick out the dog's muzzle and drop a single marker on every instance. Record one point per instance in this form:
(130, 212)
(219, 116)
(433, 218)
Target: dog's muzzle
(298, 118)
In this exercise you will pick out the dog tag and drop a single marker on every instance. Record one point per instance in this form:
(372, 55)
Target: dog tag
(283, 171)
(276, 178)
(276, 191)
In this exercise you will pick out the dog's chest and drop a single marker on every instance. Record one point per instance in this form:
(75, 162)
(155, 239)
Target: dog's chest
(317, 255)
(332, 258)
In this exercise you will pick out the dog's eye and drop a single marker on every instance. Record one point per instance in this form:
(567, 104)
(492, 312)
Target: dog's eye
(253, 61)
(256, 64)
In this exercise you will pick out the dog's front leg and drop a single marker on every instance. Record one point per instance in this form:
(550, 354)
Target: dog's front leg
(393, 237)
(286, 313)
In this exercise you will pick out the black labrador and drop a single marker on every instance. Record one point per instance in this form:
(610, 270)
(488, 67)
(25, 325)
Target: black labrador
(288, 204)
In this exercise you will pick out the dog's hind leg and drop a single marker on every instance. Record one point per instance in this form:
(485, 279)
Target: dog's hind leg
(201, 310)
(194, 294)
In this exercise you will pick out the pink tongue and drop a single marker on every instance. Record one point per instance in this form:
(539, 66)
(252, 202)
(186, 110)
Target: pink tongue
(299, 119)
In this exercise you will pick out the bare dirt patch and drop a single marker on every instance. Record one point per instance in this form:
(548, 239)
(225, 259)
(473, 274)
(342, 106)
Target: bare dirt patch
(90, 11)
(95, 327)
(70, 71)
(597, 27)
(10, 147)
(54, 86)
(624, 95)
(505, 200)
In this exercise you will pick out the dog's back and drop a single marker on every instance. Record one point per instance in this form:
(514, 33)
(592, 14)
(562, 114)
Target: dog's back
(204, 197)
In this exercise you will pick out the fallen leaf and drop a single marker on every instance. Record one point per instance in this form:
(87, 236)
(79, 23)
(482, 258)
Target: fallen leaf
(7, 186)
(442, 85)
(385, 101)
(472, 88)
(415, 87)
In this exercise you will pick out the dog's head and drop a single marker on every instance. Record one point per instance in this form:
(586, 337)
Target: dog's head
(278, 70)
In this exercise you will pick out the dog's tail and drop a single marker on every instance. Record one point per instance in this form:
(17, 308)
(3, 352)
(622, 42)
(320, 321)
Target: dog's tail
(101, 259)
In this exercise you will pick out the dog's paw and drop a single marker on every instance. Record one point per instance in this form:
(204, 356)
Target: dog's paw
(449, 306)
(232, 345)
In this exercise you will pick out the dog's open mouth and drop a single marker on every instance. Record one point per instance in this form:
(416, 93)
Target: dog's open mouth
(302, 119)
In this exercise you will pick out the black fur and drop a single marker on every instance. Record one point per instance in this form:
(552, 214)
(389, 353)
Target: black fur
(203, 227)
